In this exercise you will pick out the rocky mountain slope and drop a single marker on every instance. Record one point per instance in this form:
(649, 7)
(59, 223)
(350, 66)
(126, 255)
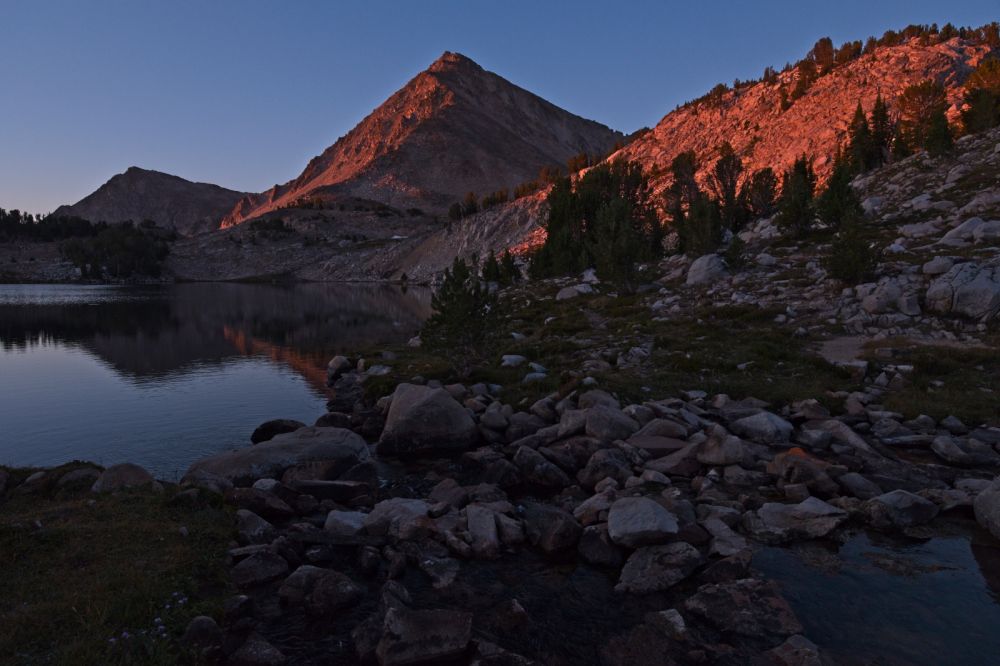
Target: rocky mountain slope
(752, 120)
(452, 129)
(169, 201)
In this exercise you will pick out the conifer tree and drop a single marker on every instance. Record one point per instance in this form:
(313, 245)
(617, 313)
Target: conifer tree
(939, 140)
(491, 268)
(758, 193)
(838, 201)
(726, 180)
(795, 208)
(882, 129)
(509, 272)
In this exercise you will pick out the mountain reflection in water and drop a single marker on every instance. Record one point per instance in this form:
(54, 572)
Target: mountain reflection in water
(161, 375)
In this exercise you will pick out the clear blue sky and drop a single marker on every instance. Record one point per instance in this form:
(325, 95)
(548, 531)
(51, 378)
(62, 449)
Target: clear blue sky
(243, 92)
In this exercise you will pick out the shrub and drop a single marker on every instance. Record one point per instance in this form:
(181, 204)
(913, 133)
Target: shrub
(852, 260)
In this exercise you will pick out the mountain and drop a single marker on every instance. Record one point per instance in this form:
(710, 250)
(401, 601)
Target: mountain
(169, 201)
(454, 128)
(751, 117)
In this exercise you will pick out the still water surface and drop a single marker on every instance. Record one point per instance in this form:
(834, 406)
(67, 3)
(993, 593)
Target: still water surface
(163, 375)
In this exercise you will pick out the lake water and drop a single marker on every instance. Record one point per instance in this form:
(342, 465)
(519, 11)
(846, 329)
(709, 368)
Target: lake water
(163, 375)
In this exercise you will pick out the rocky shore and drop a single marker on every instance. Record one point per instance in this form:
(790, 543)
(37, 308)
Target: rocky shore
(441, 524)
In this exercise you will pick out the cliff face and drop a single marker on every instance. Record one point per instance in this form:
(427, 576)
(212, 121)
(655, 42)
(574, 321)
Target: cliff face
(751, 118)
(452, 129)
(169, 201)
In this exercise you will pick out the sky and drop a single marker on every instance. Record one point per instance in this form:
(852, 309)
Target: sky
(242, 93)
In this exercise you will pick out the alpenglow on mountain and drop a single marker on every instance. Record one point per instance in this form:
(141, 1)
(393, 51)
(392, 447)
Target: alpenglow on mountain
(454, 128)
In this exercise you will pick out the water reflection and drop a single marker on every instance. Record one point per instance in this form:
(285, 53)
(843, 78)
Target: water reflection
(161, 375)
(885, 600)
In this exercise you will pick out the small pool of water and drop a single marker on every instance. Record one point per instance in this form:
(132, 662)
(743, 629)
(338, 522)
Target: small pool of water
(886, 601)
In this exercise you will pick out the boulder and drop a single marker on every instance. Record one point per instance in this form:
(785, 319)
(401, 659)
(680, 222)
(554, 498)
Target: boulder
(639, 521)
(721, 449)
(658, 568)
(397, 517)
(345, 523)
(259, 568)
(256, 651)
(597, 548)
(120, 477)
(322, 592)
(705, 270)
(552, 530)
(423, 636)
(269, 429)
(252, 529)
(746, 607)
(423, 419)
(341, 448)
(537, 470)
(987, 508)
(967, 289)
(858, 486)
(899, 508)
(483, 531)
(763, 427)
(603, 464)
(608, 423)
(809, 519)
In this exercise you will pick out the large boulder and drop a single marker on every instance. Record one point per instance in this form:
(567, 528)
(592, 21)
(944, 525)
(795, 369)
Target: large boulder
(341, 448)
(658, 568)
(121, 477)
(746, 607)
(987, 508)
(550, 529)
(423, 419)
(899, 508)
(639, 521)
(809, 519)
(322, 592)
(423, 636)
(968, 289)
(609, 423)
(706, 269)
(763, 427)
(269, 429)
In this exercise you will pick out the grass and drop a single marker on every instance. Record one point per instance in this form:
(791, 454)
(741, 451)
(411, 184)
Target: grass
(949, 381)
(85, 577)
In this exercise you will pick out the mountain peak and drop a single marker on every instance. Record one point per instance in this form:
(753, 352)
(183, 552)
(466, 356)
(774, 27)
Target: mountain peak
(451, 61)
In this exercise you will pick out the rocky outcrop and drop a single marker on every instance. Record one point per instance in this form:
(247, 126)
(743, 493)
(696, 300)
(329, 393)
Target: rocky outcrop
(341, 449)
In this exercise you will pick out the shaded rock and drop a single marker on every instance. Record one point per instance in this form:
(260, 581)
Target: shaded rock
(333, 420)
(763, 427)
(536, 470)
(397, 517)
(259, 568)
(261, 502)
(810, 519)
(202, 635)
(605, 463)
(81, 476)
(341, 448)
(345, 523)
(423, 636)
(269, 429)
(252, 529)
(899, 508)
(797, 650)
(551, 530)
(483, 530)
(256, 651)
(721, 449)
(658, 568)
(597, 548)
(323, 592)
(609, 423)
(967, 289)
(858, 486)
(747, 607)
(639, 521)
(120, 477)
(987, 508)
(706, 269)
(423, 419)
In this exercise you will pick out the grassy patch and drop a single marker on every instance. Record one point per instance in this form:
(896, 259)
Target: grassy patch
(80, 569)
(950, 381)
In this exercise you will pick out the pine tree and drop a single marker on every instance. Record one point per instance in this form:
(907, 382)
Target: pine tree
(509, 272)
(862, 144)
(726, 180)
(881, 128)
(982, 97)
(939, 140)
(838, 201)
(795, 208)
(464, 320)
(491, 268)
(919, 104)
(758, 193)
(703, 227)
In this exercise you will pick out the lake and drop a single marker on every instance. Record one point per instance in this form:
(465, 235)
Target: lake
(163, 375)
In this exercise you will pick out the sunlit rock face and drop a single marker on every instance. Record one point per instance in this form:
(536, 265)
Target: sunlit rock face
(752, 120)
(454, 128)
